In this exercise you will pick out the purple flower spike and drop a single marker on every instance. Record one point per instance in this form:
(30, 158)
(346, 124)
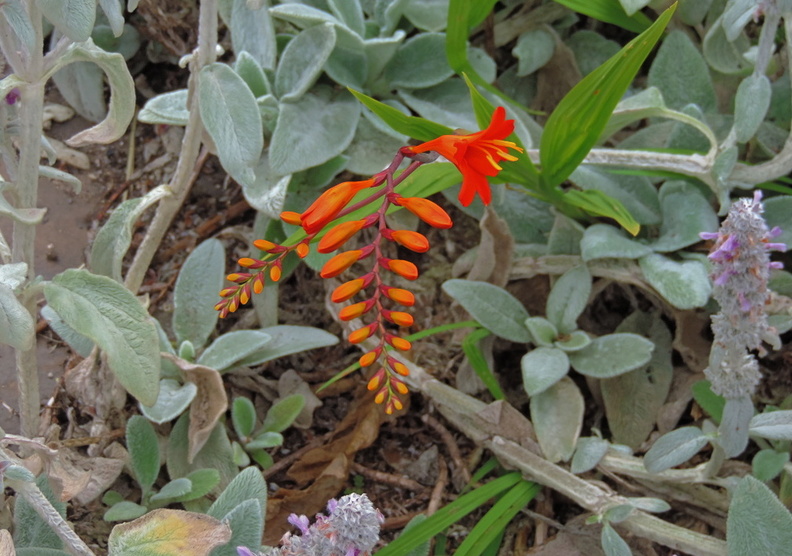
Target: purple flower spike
(245, 551)
(300, 521)
(740, 271)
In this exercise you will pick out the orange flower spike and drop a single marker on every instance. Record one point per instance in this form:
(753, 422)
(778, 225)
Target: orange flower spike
(339, 235)
(405, 269)
(476, 155)
(400, 296)
(293, 218)
(411, 240)
(426, 210)
(330, 203)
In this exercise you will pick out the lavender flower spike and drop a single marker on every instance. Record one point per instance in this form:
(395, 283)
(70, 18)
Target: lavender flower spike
(740, 271)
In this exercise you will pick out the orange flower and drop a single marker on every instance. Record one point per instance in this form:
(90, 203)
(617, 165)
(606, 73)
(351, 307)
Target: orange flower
(339, 235)
(340, 263)
(354, 311)
(347, 290)
(293, 218)
(368, 358)
(476, 155)
(405, 269)
(362, 333)
(397, 342)
(398, 317)
(411, 240)
(330, 203)
(403, 297)
(426, 210)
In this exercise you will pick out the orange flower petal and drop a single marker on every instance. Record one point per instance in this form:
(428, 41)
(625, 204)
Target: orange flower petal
(247, 262)
(268, 246)
(405, 269)
(399, 343)
(380, 397)
(376, 380)
(368, 358)
(258, 283)
(303, 250)
(401, 388)
(411, 240)
(426, 210)
(403, 297)
(347, 290)
(330, 203)
(340, 263)
(275, 273)
(398, 366)
(354, 311)
(339, 235)
(361, 334)
(228, 292)
(398, 317)
(293, 218)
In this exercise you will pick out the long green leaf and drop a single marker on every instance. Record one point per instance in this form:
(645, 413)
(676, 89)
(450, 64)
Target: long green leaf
(479, 364)
(415, 127)
(609, 11)
(496, 520)
(577, 122)
(450, 514)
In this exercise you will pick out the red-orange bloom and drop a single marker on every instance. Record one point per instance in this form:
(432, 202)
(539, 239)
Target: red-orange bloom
(258, 283)
(397, 342)
(354, 311)
(330, 203)
(339, 235)
(405, 269)
(398, 317)
(376, 380)
(411, 240)
(362, 333)
(403, 297)
(426, 210)
(476, 155)
(293, 218)
(340, 263)
(368, 358)
(347, 290)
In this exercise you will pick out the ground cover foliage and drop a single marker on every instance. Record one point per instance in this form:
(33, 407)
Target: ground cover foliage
(588, 300)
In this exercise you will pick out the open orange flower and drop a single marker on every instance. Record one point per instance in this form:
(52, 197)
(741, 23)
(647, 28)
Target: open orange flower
(476, 155)
(330, 203)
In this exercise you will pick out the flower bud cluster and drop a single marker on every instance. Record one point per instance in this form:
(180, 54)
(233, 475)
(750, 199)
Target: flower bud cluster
(741, 268)
(350, 528)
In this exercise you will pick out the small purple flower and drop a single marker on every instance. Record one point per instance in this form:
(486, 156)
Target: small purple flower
(740, 270)
(12, 97)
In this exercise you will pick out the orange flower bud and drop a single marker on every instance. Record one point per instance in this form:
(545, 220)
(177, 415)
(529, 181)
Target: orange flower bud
(354, 311)
(244, 294)
(426, 210)
(396, 404)
(220, 305)
(233, 304)
(398, 317)
(268, 246)
(411, 240)
(403, 297)
(397, 342)
(380, 397)
(247, 262)
(340, 263)
(238, 277)
(368, 358)
(376, 380)
(405, 269)
(361, 333)
(347, 290)
(293, 218)
(398, 366)
(303, 250)
(330, 203)
(275, 272)
(339, 235)
(401, 388)
(258, 283)
(228, 292)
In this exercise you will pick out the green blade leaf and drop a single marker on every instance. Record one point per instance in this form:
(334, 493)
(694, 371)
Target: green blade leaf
(609, 11)
(578, 120)
(415, 127)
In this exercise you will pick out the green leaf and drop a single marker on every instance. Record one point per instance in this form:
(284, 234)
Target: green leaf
(542, 331)
(122, 92)
(777, 213)
(758, 522)
(112, 241)
(574, 341)
(568, 298)
(168, 108)
(774, 425)
(265, 440)
(17, 328)
(312, 130)
(609, 12)
(723, 54)
(168, 532)
(247, 527)
(203, 482)
(215, 454)
(578, 120)
(73, 18)
(542, 368)
(652, 505)
(124, 511)
(709, 401)
(350, 12)
(283, 413)
(379, 51)
(612, 543)
(588, 453)
(200, 278)
(685, 285)
(427, 15)
(79, 343)
(228, 350)
(496, 309)
(243, 416)
(533, 50)
(767, 464)
(635, 192)
(249, 484)
(591, 49)
(751, 105)
(557, 416)
(686, 213)
(289, 339)
(174, 489)
(449, 514)
(496, 520)
(250, 71)
(231, 117)
(565, 237)
(348, 62)
(104, 311)
(598, 203)
(680, 72)
(617, 514)
(417, 65)
(252, 31)
(143, 448)
(674, 448)
(612, 355)
(602, 241)
(413, 126)
(733, 429)
(475, 356)
(172, 400)
(302, 61)
(30, 529)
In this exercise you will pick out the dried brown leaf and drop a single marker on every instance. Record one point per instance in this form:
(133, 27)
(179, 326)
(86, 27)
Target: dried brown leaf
(6, 543)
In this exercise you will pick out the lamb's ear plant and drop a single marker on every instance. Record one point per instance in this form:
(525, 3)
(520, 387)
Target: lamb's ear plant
(253, 440)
